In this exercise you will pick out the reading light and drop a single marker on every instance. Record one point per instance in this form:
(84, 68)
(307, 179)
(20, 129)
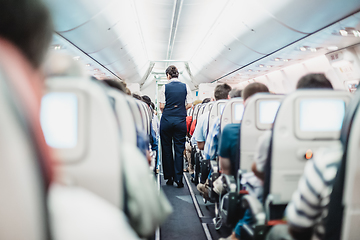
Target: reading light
(96, 69)
(308, 154)
(303, 49)
(332, 48)
(88, 65)
(277, 59)
(269, 66)
(343, 32)
(76, 58)
(250, 70)
(312, 49)
(261, 65)
(285, 60)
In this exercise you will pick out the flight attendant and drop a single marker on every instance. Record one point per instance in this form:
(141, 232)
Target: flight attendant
(175, 98)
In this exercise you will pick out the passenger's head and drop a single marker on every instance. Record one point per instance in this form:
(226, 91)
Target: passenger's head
(314, 80)
(206, 100)
(146, 99)
(115, 84)
(27, 24)
(235, 93)
(196, 102)
(253, 88)
(137, 96)
(172, 72)
(222, 91)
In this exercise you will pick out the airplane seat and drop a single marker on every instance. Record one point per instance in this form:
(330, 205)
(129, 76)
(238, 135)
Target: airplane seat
(202, 165)
(25, 166)
(144, 116)
(232, 113)
(258, 117)
(80, 125)
(306, 121)
(135, 112)
(122, 110)
(344, 204)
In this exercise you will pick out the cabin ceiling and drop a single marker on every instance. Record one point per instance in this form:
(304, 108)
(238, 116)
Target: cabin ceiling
(207, 39)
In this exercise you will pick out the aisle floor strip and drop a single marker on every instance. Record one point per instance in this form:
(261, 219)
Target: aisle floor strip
(157, 232)
(200, 214)
(207, 232)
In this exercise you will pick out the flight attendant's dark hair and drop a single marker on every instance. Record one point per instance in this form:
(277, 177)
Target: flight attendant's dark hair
(172, 71)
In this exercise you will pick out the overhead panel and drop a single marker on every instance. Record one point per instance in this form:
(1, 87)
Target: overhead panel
(309, 15)
(69, 14)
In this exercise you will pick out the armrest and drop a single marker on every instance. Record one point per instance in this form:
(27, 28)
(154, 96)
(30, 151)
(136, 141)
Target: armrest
(230, 183)
(214, 166)
(256, 209)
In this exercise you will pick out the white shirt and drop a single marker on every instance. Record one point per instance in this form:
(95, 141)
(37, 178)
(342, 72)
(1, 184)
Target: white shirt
(188, 95)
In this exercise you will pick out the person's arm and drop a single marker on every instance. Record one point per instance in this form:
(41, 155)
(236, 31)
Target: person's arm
(189, 105)
(258, 174)
(201, 145)
(211, 143)
(162, 106)
(162, 98)
(225, 165)
(189, 99)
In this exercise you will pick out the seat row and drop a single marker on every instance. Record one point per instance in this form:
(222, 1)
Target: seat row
(300, 124)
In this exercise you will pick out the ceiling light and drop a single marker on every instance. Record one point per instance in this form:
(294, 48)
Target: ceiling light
(286, 60)
(278, 59)
(356, 33)
(57, 47)
(76, 58)
(332, 48)
(343, 32)
(312, 49)
(88, 65)
(249, 70)
(303, 49)
(96, 69)
(261, 65)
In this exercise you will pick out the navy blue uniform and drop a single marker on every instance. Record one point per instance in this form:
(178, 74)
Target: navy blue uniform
(173, 130)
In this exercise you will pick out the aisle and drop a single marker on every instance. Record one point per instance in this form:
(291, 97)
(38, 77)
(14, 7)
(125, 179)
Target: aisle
(188, 221)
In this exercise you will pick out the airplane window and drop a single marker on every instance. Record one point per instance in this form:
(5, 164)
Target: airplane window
(221, 108)
(322, 115)
(268, 110)
(238, 111)
(59, 119)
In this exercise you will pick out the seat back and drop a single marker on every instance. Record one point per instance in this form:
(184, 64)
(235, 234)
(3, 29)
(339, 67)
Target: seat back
(258, 117)
(306, 121)
(233, 112)
(80, 125)
(216, 110)
(208, 107)
(195, 112)
(135, 113)
(122, 111)
(345, 198)
(23, 178)
(144, 111)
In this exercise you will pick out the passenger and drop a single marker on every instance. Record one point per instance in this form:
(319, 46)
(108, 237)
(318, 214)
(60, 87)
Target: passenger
(307, 210)
(221, 92)
(193, 121)
(211, 143)
(175, 99)
(201, 131)
(190, 168)
(153, 131)
(115, 84)
(137, 96)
